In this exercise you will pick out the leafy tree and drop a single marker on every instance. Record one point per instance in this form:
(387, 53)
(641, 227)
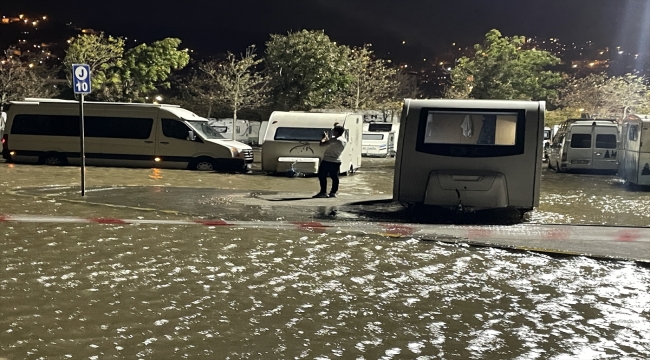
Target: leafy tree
(555, 117)
(373, 82)
(125, 76)
(503, 69)
(235, 83)
(306, 69)
(148, 66)
(103, 54)
(19, 80)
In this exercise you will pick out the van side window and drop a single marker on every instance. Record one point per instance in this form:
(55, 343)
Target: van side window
(633, 133)
(95, 126)
(174, 129)
(581, 141)
(118, 127)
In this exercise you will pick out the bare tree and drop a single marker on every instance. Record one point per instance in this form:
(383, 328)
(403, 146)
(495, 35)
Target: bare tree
(19, 80)
(630, 93)
(592, 94)
(235, 83)
(602, 96)
(373, 81)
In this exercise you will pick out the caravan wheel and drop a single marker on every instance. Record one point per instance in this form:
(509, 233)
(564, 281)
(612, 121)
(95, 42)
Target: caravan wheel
(350, 171)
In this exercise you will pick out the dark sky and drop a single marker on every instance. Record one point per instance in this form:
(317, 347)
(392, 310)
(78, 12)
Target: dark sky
(427, 26)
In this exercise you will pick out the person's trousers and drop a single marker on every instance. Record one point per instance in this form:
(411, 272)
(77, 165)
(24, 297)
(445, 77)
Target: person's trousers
(331, 169)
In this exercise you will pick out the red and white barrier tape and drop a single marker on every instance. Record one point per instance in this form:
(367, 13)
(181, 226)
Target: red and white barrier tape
(485, 234)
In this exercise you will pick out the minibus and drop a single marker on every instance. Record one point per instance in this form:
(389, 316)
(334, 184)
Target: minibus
(634, 158)
(585, 144)
(292, 141)
(47, 131)
(470, 154)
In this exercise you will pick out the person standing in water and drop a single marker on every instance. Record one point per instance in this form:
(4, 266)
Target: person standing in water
(330, 165)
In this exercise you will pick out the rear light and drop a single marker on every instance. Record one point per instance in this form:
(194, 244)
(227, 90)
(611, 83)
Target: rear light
(5, 142)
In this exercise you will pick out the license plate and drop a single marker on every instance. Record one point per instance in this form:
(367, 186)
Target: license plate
(580, 162)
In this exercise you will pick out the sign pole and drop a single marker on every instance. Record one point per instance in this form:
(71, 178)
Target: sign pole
(81, 85)
(82, 152)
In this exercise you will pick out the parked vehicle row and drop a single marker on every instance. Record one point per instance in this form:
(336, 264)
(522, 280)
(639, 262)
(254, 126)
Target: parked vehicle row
(604, 145)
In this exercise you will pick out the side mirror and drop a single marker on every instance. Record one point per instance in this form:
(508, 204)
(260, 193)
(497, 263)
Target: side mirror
(191, 136)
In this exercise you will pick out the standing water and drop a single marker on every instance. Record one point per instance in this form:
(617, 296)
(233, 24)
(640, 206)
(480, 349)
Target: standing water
(91, 291)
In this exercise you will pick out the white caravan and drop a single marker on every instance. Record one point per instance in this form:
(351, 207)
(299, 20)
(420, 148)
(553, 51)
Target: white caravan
(548, 136)
(478, 154)
(378, 143)
(292, 141)
(634, 164)
(46, 131)
(262, 133)
(383, 127)
(585, 144)
(243, 129)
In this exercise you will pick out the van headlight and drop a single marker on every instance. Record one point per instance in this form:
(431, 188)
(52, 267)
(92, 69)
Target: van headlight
(235, 152)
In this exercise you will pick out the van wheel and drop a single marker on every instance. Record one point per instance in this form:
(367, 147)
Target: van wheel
(203, 164)
(53, 159)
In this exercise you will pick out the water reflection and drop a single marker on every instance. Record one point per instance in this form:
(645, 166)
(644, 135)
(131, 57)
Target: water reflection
(142, 291)
(183, 292)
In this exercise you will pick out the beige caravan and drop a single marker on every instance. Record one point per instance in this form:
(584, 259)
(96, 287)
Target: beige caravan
(634, 153)
(47, 131)
(478, 154)
(292, 141)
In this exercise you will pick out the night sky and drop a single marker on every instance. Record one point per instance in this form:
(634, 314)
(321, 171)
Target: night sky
(427, 26)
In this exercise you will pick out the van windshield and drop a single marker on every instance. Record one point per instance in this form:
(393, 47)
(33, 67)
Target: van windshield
(206, 131)
(301, 134)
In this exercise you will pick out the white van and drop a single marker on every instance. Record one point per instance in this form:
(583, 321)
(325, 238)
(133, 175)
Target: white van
(585, 144)
(292, 141)
(477, 154)
(378, 143)
(46, 131)
(634, 154)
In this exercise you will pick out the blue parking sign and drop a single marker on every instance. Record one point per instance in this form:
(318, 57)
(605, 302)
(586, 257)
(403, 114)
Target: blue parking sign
(81, 78)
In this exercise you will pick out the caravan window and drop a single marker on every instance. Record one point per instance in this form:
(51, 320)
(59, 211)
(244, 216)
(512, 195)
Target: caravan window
(547, 134)
(386, 127)
(633, 132)
(471, 128)
(301, 134)
(473, 133)
(372, 137)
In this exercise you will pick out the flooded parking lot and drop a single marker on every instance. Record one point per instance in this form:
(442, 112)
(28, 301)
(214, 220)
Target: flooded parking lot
(95, 291)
